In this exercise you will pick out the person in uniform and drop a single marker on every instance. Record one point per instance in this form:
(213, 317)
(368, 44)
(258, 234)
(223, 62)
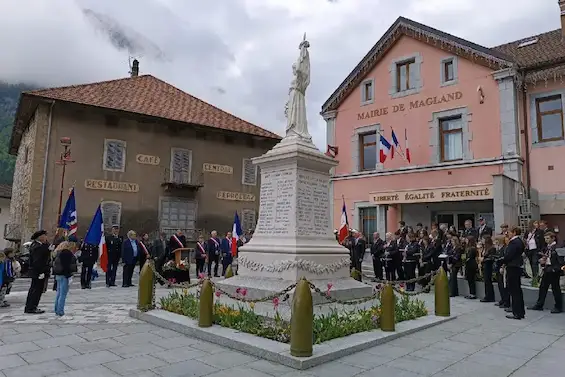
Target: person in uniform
(513, 262)
(484, 230)
(551, 263)
(471, 267)
(411, 258)
(500, 244)
(401, 245)
(88, 256)
(214, 251)
(428, 250)
(377, 251)
(39, 265)
(487, 261)
(114, 246)
(454, 264)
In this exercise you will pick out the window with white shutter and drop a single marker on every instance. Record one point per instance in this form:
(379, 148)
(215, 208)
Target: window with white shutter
(114, 155)
(181, 165)
(111, 213)
(249, 172)
(248, 219)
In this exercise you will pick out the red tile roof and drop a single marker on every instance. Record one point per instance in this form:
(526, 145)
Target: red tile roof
(549, 48)
(147, 95)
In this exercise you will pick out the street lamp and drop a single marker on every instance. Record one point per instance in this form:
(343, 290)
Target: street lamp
(63, 160)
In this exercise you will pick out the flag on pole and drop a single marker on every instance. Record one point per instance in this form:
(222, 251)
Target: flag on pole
(384, 150)
(95, 236)
(68, 219)
(344, 226)
(396, 144)
(406, 147)
(235, 234)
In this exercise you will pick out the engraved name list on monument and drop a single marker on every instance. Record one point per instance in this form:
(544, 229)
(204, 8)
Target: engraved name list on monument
(313, 211)
(276, 202)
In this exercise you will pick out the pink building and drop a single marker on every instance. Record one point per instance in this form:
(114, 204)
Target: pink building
(483, 126)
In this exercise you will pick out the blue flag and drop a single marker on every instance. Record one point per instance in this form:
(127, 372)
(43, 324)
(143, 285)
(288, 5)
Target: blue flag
(68, 219)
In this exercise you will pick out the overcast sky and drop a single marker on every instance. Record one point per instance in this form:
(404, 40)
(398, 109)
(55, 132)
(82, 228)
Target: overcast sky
(237, 54)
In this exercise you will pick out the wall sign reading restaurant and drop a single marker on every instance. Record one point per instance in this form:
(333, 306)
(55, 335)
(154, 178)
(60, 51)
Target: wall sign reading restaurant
(416, 104)
(448, 194)
(235, 196)
(97, 184)
(215, 168)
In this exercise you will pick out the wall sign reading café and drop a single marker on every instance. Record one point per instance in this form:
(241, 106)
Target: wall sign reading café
(417, 104)
(449, 194)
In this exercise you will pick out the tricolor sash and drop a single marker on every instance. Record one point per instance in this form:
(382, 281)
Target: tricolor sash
(144, 248)
(202, 251)
(178, 241)
(217, 245)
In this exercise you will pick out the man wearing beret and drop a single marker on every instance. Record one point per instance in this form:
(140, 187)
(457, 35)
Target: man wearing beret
(39, 259)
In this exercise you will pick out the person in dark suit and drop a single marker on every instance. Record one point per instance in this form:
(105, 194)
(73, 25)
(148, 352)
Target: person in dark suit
(513, 262)
(377, 251)
(130, 254)
(469, 231)
(145, 246)
(359, 247)
(552, 264)
(213, 249)
(411, 259)
(454, 264)
(114, 246)
(88, 256)
(225, 248)
(483, 230)
(39, 266)
(486, 259)
(177, 241)
(158, 252)
(200, 255)
(398, 257)
(390, 256)
(349, 243)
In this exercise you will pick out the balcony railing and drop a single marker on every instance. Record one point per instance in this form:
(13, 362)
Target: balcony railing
(13, 232)
(182, 179)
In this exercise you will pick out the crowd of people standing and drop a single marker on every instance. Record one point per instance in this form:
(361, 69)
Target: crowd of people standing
(474, 252)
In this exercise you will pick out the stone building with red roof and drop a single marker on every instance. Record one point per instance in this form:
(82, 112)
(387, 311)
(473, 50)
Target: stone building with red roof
(157, 158)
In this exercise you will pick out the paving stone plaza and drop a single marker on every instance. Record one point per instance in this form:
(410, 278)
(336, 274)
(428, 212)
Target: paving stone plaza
(99, 339)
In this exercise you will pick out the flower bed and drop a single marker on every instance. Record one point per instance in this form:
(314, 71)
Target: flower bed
(334, 325)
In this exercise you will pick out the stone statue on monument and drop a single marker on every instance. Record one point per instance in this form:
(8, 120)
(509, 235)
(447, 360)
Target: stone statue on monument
(295, 110)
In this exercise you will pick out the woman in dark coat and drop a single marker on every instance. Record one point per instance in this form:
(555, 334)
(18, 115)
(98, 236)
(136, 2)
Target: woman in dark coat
(487, 261)
(454, 264)
(471, 267)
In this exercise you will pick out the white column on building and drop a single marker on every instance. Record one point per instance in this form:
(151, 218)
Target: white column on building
(329, 117)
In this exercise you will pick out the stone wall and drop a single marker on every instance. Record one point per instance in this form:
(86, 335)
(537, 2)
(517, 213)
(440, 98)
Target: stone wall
(28, 174)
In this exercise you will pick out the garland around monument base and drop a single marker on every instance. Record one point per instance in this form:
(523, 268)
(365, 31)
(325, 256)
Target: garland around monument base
(301, 264)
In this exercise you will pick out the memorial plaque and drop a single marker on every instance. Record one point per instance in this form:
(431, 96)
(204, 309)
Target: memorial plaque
(276, 208)
(313, 211)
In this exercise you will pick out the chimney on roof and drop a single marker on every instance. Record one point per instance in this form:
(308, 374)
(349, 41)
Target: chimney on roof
(562, 8)
(135, 67)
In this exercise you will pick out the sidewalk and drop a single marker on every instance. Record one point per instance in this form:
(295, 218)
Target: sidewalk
(102, 341)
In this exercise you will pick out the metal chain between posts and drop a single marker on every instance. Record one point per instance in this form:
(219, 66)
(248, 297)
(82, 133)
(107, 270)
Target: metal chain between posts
(236, 297)
(398, 282)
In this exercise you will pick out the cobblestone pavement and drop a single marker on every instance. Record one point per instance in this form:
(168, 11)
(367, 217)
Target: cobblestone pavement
(100, 340)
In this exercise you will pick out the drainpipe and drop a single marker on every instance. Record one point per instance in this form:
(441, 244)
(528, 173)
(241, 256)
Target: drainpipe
(44, 183)
(526, 135)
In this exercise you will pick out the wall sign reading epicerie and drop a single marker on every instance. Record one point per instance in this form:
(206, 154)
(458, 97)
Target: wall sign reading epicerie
(215, 168)
(97, 184)
(416, 104)
(236, 196)
(147, 160)
(447, 194)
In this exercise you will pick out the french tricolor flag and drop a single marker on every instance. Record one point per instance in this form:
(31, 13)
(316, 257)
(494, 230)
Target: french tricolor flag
(385, 149)
(406, 147)
(235, 234)
(95, 236)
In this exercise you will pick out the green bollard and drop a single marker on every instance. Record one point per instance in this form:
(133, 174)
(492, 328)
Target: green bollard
(388, 303)
(229, 272)
(441, 291)
(145, 290)
(206, 309)
(302, 317)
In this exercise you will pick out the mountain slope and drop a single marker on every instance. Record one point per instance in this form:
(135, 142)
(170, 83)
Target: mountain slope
(9, 97)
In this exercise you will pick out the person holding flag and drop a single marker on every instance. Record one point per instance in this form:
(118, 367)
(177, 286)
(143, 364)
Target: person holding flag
(95, 245)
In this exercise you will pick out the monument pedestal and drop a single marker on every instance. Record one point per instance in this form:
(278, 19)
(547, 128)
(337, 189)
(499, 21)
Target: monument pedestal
(294, 237)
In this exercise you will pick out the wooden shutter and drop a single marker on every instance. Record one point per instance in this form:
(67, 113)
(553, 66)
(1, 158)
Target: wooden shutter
(115, 155)
(181, 165)
(249, 172)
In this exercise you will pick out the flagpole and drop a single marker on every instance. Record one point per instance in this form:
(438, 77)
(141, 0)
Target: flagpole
(400, 152)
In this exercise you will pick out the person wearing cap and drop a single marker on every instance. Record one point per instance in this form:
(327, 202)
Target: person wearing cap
(39, 260)
(484, 230)
(114, 244)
